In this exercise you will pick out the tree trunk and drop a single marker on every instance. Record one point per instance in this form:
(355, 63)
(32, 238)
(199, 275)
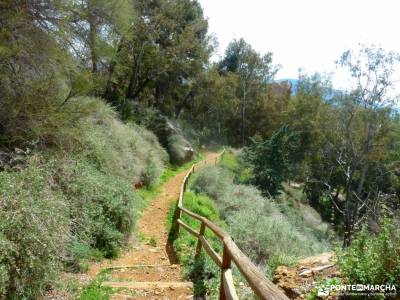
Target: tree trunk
(347, 212)
(182, 104)
(109, 93)
(243, 116)
(92, 42)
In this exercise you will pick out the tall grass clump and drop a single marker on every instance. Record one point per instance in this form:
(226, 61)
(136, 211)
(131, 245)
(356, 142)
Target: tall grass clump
(258, 224)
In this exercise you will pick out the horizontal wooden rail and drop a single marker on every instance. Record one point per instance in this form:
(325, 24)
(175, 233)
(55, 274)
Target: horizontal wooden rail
(260, 285)
(188, 228)
(210, 251)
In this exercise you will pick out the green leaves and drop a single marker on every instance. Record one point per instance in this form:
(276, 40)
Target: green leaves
(158, 61)
(373, 258)
(271, 159)
(33, 230)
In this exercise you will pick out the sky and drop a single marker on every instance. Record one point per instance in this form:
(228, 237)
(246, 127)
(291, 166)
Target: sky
(309, 34)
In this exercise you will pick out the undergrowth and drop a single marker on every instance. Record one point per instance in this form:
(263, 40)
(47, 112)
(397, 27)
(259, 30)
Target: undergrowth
(94, 291)
(373, 258)
(268, 230)
(202, 271)
(70, 197)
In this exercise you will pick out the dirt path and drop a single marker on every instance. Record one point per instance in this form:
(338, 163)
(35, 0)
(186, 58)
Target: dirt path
(150, 270)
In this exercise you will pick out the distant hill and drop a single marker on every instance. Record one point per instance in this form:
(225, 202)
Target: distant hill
(294, 87)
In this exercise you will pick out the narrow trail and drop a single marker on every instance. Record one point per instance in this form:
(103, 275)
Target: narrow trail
(150, 270)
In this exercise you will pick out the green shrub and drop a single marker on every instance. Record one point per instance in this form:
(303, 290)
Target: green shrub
(89, 127)
(270, 160)
(72, 199)
(101, 206)
(34, 231)
(95, 290)
(215, 182)
(373, 258)
(59, 211)
(125, 150)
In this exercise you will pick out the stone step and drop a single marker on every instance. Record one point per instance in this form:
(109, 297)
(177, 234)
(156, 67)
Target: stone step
(147, 273)
(148, 285)
(139, 266)
(166, 295)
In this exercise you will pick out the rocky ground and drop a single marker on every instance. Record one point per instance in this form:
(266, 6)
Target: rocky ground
(298, 281)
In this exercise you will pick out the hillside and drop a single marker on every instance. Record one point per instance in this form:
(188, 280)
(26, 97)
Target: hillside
(74, 201)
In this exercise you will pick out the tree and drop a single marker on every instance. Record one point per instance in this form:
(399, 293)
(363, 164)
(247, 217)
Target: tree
(355, 178)
(254, 72)
(30, 74)
(97, 27)
(270, 160)
(213, 105)
(158, 63)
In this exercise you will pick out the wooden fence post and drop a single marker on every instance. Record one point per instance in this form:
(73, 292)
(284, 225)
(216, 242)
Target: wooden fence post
(201, 233)
(226, 264)
(177, 217)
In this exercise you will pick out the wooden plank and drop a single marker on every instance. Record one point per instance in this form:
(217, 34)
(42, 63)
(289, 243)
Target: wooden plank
(261, 286)
(210, 251)
(188, 228)
(180, 201)
(229, 287)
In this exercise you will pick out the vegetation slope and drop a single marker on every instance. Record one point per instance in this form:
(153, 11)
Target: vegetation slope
(76, 200)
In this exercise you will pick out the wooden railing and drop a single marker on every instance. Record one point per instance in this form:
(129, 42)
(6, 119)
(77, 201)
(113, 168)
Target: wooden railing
(260, 285)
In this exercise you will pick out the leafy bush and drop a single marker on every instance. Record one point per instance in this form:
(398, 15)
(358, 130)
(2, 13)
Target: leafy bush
(215, 182)
(259, 225)
(72, 199)
(373, 259)
(101, 206)
(88, 126)
(34, 231)
(270, 160)
(125, 150)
